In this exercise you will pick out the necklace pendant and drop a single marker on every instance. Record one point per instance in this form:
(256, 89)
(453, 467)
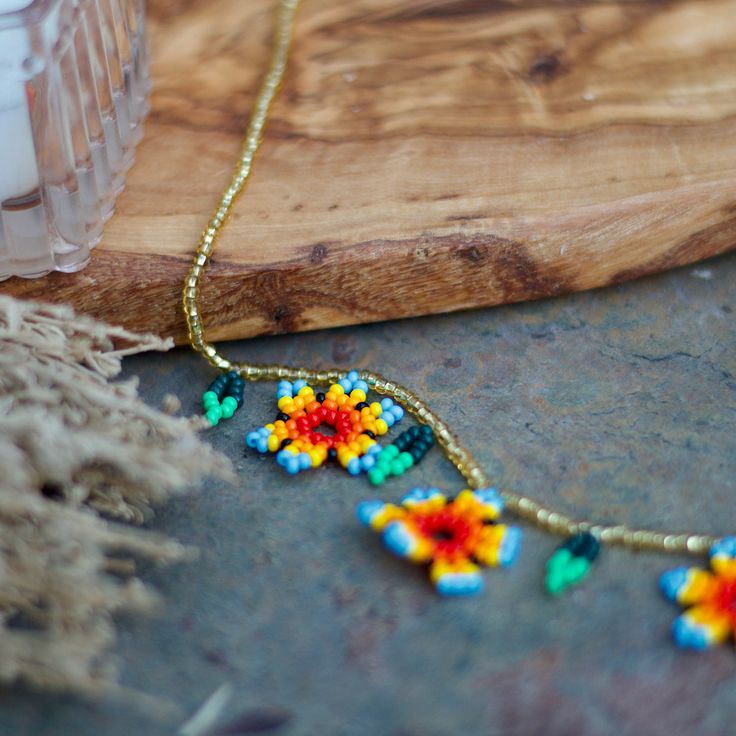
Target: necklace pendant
(338, 425)
(709, 597)
(454, 537)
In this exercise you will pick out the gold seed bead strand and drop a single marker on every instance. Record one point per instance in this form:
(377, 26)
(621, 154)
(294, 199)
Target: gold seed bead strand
(254, 135)
(548, 520)
(525, 508)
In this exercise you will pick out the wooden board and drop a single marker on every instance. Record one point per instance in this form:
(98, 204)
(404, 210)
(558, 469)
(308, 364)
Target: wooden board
(425, 155)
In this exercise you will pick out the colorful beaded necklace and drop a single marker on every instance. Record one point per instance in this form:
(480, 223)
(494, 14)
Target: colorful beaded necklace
(452, 535)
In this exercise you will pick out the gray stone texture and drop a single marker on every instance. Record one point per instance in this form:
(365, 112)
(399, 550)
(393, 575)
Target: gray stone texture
(618, 405)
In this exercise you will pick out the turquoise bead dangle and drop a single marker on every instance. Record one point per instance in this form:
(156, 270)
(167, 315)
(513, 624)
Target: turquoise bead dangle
(223, 397)
(408, 449)
(571, 562)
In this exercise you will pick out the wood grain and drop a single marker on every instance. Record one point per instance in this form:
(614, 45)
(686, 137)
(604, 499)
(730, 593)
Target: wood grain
(425, 156)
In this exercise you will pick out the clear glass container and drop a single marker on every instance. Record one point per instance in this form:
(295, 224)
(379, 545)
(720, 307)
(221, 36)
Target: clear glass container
(74, 86)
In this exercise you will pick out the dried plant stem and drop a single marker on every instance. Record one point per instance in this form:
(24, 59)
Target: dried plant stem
(78, 454)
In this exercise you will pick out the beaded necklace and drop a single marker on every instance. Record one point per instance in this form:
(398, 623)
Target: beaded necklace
(452, 535)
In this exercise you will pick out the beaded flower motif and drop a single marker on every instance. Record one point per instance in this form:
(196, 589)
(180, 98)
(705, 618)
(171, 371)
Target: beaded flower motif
(452, 536)
(708, 595)
(295, 436)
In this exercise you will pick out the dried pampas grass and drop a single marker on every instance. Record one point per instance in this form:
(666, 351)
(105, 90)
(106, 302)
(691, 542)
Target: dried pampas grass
(75, 452)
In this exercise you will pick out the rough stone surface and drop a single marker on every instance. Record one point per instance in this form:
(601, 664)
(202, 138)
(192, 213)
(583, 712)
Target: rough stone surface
(617, 404)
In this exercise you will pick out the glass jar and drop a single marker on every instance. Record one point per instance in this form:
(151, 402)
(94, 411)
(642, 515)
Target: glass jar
(74, 86)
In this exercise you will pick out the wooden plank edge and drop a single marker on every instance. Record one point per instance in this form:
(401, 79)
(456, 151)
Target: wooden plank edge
(326, 287)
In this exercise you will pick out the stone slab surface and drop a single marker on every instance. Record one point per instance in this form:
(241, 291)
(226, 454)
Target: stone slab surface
(618, 404)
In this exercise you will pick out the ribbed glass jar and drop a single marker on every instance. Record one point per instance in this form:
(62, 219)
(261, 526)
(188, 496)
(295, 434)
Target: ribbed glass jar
(74, 85)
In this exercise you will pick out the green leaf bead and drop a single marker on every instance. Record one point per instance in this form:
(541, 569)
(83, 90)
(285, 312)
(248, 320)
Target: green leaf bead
(229, 405)
(397, 467)
(390, 452)
(559, 559)
(384, 466)
(376, 476)
(406, 460)
(554, 583)
(564, 570)
(209, 399)
(214, 415)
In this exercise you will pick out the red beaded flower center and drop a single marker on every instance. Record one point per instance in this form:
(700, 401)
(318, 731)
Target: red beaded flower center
(725, 598)
(453, 536)
(346, 424)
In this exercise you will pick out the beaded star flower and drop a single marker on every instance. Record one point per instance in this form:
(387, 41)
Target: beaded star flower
(708, 595)
(452, 536)
(297, 436)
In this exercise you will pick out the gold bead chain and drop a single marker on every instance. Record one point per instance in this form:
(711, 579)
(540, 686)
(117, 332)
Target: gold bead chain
(523, 507)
